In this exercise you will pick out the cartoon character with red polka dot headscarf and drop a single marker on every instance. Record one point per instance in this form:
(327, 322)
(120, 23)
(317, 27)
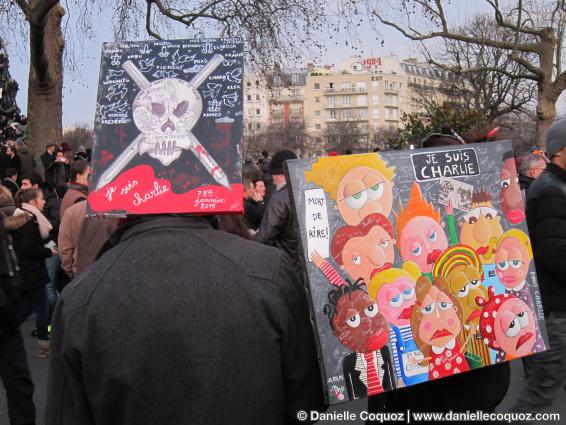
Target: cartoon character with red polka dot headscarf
(507, 324)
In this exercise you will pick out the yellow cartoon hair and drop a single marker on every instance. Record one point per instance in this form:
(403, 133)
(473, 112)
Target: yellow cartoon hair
(328, 171)
(417, 206)
(410, 270)
(518, 234)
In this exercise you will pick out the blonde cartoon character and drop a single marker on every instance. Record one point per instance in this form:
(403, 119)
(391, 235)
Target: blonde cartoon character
(513, 255)
(359, 184)
(394, 291)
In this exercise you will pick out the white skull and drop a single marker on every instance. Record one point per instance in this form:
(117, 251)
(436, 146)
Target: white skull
(165, 112)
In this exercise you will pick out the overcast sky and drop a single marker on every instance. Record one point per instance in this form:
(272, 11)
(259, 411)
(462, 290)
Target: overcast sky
(79, 95)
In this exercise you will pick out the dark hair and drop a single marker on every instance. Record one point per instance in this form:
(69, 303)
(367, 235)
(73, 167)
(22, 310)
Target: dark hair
(446, 137)
(234, 224)
(77, 167)
(11, 172)
(265, 154)
(481, 195)
(336, 294)
(33, 178)
(25, 196)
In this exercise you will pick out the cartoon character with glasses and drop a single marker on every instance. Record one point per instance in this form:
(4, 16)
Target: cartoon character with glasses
(394, 291)
(508, 324)
(437, 325)
(360, 185)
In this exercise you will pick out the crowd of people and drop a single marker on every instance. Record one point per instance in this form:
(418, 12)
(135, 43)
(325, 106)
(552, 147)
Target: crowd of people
(175, 306)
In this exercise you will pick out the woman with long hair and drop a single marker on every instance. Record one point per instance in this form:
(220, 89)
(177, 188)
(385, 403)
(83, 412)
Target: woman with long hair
(31, 252)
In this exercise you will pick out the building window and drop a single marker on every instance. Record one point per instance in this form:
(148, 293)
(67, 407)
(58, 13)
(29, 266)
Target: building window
(258, 126)
(317, 86)
(249, 97)
(331, 101)
(317, 113)
(317, 99)
(362, 100)
(332, 114)
(375, 113)
(330, 86)
(257, 111)
(346, 85)
(346, 100)
(361, 86)
(295, 78)
(317, 126)
(249, 83)
(257, 82)
(257, 97)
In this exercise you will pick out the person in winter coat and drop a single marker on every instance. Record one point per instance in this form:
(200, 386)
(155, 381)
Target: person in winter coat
(31, 252)
(27, 161)
(546, 218)
(14, 370)
(277, 225)
(78, 186)
(176, 311)
(532, 166)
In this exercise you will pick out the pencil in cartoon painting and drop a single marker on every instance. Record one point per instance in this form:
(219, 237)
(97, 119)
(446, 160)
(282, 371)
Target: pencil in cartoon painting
(165, 111)
(422, 279)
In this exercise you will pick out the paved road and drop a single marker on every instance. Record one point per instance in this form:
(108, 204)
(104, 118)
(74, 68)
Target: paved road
(39, 374)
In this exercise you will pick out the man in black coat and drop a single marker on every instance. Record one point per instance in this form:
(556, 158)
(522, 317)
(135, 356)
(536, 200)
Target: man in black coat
(546, 218)
(278, 228)
(14, 370)
(181, 323)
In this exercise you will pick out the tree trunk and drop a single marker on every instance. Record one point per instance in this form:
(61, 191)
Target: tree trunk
(45, 92)
(546, 107)
(546, 113)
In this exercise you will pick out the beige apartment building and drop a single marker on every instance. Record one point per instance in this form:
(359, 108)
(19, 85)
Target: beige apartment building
(365, 96)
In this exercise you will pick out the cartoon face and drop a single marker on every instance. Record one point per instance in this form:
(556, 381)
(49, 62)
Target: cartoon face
(440, 322)
(514, 328)
(511, 199)
(422, 241)
(479, 228)
(396, 300)
(465, 282)
(364, 256)
(512, 262)
(358, 324)
(363, 191)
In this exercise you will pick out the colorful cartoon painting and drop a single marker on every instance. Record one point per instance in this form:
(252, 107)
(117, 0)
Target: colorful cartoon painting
(419, 265)
(168, 128)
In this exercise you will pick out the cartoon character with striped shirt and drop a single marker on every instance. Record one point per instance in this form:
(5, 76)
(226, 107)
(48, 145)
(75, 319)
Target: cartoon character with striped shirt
(360, 327)
(394, 291)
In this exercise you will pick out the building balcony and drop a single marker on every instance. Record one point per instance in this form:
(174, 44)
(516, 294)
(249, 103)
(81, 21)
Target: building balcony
(349, 90)
(391, 90)
(344, 106)
(353, 118)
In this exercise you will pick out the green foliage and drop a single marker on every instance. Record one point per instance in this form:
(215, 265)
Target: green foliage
(416, 126)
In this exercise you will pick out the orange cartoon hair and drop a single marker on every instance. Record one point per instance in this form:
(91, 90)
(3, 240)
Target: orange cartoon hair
(416, 206)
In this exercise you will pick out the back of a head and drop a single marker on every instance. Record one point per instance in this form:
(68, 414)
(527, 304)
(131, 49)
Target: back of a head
(278, 160)
(529, 162)
(78, 167)
(11, 172)
(555, 138)
(27, 195)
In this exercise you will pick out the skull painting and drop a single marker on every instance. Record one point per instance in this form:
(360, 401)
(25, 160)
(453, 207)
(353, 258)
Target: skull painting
(165, 112)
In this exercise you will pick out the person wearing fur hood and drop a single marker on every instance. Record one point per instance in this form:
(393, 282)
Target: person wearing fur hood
(29, 244)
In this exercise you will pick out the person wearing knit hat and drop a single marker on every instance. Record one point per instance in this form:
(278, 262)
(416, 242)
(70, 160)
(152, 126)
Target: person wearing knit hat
(277, 225)
(546, 218)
